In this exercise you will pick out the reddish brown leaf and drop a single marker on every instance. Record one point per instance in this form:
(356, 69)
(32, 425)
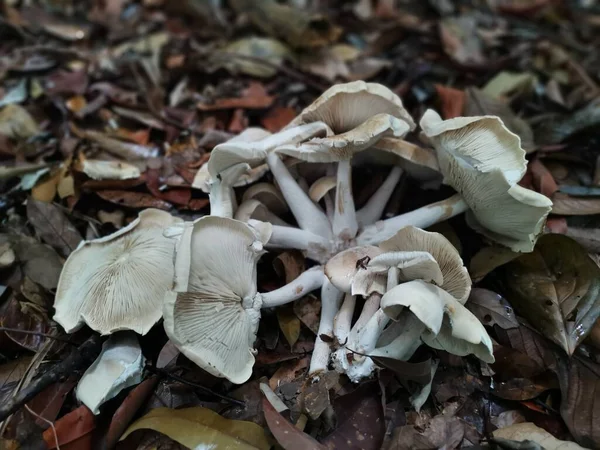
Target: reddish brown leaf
(133, 199)
(288, 372)
(197, 204)
(141, 137)
(255, 96)
(73, 431)
(68, 83)
(277, 118)
(542, 178)
(557, 225)
(288, 436)
(452, 101)
(239, 121)
(98, 185)
(128, 409)
(14, 314)
(48, 403)
(178, 196)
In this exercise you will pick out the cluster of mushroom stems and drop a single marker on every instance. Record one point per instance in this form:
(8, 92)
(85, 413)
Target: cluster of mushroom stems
(201, 276)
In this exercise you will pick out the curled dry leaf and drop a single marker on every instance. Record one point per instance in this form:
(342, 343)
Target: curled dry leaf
(202, 428)
(556, 288)
(74, 428)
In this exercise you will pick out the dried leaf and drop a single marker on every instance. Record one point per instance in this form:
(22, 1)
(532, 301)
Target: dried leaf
(489, 258)
(49, 402)
(407, 437)
(39, 262)
(258, 49)
(419, 372)
(276, 118)
(557, 130)
(510, 83)
(557, 288)
(133, 199)
(202, 428)
(491, 309)
(566, 205)
(289, 324)
(17, 123)
(452, 101)
(523, 432)
(14, 370)
(21, 316)
(461, 41)
(74, 427)
(542, 178)
(53, 227)
(480, 104)
(287, 435)
(255, 96)
(308, 310)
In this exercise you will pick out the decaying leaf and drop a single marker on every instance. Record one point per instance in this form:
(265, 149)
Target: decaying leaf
(510, 83)
(133, 199)
(528, 432)
(557, 288)
(460, 40)
(561, 128)
(491, 308)
(17, 123)
(74, 428)
(489, 258)
(202, 428)
(568, 205)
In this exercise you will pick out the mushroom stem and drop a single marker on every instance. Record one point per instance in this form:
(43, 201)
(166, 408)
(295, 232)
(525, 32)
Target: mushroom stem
(308, 215)
(393, 278)
(371, 212)
(288, 237)
(369, 309)
(344, 223)
(306, 282)
(330, 303)
(221, 195)
(343, 319)
(329, 206)
(421, 218)
(371, 331)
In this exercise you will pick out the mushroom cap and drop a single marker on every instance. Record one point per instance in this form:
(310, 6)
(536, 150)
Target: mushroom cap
(269, 196)
(346, 106)
(214, 321)
(118, 282)
(344, 145)
(483, 161)
(254, 209)
(342, 268)
(429, 304)
(120, 365)
(202, 179)
(456, 280)
(419, 162)
(321, 187)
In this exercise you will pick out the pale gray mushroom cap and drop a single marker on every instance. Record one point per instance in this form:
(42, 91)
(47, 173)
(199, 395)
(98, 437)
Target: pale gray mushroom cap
(118, 282)
(345, 106)
(214, 319)
(484, 161)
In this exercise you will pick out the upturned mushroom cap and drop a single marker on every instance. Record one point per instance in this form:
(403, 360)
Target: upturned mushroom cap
(321, 187)
(456, 280)
(344, 145)
(483, 161)
(346, 106)
(430, 304)
(202, 179)
(214, 321)
(118, 282)
(342, 268)
(120, 365)
(419, 162)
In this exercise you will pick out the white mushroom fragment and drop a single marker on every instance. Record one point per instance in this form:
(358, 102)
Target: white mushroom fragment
(118, 282)
(213, 314)
(119, 366)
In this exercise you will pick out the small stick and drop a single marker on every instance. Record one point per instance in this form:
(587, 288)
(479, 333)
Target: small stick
(196, 386)
(79, 358)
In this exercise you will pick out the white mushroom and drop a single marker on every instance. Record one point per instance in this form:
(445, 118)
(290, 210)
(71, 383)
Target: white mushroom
(119, 366)
(118, 282)
(212, 315)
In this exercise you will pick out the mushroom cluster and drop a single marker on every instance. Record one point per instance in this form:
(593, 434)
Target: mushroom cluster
(201, 276)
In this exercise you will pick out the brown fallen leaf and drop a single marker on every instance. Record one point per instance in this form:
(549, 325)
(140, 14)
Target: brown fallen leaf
(289, 324)
(255, 96)
(308, 310)
(461, 41)
(491, 308)
(133, 199)
(39, 262)
(177, 196)
(73, 430)
(276, 118)
(527, 432)
(407, 437)
(17, 123)
(52, 226)
(62, 82)
(288, 372)
(16, 313)
(542, 178)
(287, 435)
(567, 205)
(557, 289)
(49, 402)
(452, 101)
(489, 258)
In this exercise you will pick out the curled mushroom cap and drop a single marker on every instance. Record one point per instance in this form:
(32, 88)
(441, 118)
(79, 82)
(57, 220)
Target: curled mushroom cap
(346, 106)
(213, 321)
(483, 161)
(456, 280)
(118, 282)
(342, 268)
(461, 332)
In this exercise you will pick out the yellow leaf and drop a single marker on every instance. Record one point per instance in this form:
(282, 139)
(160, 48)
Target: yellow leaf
(202, 428)
(289, 324)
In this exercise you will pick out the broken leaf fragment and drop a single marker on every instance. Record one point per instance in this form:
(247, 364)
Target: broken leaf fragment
(119, 366)
(17, 123)
(557, 289)
(118, 282)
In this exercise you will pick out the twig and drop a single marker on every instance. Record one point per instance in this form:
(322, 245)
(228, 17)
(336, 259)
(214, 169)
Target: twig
(35, 333)
(196, 386)
(81, 357)
(33, 413)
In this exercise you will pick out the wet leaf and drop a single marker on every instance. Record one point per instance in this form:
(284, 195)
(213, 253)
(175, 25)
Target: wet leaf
(523, 432)
(556, 288)
(567, 205)
(52, 226)
(491, 309)
(49, 402)
(133, 199)
(200, 427)
(289, 324)
(287, 435)
(481, 104)
(74, 428)
(489, 258)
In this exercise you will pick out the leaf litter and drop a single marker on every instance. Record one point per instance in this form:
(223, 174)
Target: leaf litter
(110, 108)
